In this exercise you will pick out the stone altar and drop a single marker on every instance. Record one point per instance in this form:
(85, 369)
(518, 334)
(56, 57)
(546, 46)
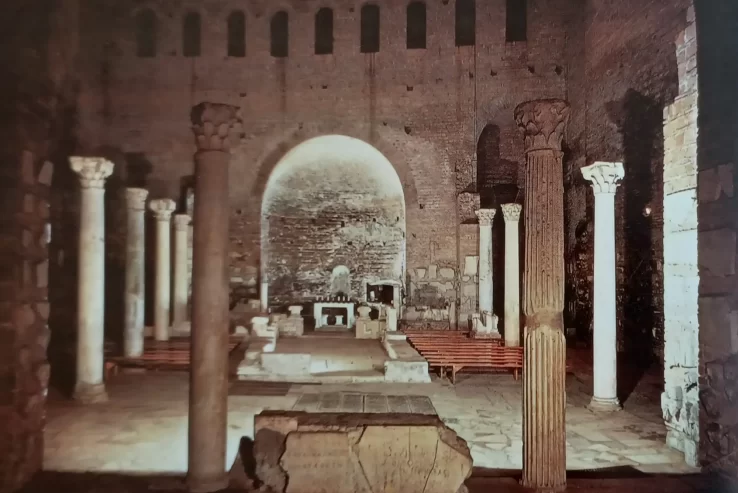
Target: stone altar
(318, 307)
(299, 452)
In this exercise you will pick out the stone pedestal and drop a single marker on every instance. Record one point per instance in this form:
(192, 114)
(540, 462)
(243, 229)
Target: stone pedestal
(486, 216)
(162, 209)
(133, 335)
(181, 269)
(208, 413)
(543, 123)
(604, 178)
(511, 214)
(391, 319)
(92, 171)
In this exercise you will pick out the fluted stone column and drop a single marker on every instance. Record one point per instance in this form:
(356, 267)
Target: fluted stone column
(181, 269)
(90, 386)
(511, 214)
(543, 123)
(212, 125)
(486, 216)
(133, 336)
(163, 209)
(605, 178)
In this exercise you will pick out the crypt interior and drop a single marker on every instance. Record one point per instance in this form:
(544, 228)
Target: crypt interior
(382, 246)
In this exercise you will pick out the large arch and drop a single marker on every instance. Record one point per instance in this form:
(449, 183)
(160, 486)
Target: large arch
(331, 201)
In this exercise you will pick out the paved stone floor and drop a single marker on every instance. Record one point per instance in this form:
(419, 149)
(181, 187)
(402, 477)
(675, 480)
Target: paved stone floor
(143, 429)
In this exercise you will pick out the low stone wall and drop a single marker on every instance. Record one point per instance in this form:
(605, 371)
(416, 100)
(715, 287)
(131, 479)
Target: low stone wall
(299, 452)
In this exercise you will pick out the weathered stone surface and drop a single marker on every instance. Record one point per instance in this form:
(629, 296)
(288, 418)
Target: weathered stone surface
(334, 453)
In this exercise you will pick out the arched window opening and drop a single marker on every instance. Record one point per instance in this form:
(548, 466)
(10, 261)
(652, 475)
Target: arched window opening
(416, 26)
(324, 31)
(280, 34)
(516, 28)
(369, 29)
(237, 34)
(466, 18)
(146, 33)
(191, 35)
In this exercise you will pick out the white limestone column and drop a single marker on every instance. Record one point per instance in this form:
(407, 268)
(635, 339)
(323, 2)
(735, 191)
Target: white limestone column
(511, 214)
(181, 268)
(162, 209)
(604, 178)
(486, 216)
(133, 336)
(90, 386)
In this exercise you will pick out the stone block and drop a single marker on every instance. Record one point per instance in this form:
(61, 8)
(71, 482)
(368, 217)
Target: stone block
(286, 364)
(447, 273)
(420, 273)
(680, 211)
(432, 271)
(396, 370)
(368, 329)
(355, 452)
(717, 252)
(471, 263)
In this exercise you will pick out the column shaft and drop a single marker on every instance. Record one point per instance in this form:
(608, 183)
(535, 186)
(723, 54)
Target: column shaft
(163, 280)
(133, 337)
(485, 269)
(181, 268)
(511, 214)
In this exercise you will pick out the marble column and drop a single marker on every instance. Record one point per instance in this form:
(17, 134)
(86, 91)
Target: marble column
(163, 209)
(264, 296)
(208, 414)
(543, 124)
(605, 178)
(133, 336)
(511, 214)
(181, 269)
(486, 216)
(90, 386)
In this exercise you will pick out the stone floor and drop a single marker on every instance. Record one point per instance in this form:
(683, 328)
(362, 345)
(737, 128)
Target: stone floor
(143, 429)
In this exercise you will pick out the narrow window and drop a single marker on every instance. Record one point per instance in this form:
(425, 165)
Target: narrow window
(280, 34)
(146, 33)
(517, 20)
(465, 23)
(369, 29)
(237, 34)
(416, 26)
(191, 35)
(324, 31)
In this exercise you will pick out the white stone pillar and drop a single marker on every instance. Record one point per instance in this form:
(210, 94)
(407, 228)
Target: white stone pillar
(181, 269)
(133, 336)
(264, 296)
(511, 214)
(162, 209)
(604, 178)
(486, 216)
(90, 386)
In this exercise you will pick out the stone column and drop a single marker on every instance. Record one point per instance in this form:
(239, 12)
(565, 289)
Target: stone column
(264, 296)
(486, 216)
(543, 123)
(133, 336)
(181, 269)
(605, 178)
(511, 214)
(163, 209)
(208, 416)
(92, 171)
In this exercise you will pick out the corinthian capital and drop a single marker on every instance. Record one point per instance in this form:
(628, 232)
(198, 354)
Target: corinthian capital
(162, 209)
(485, 216)
(213, 124)
(543, 123)
(604, 177)
(181, 222)
(511, 212)
(92, 171)
(136, 198)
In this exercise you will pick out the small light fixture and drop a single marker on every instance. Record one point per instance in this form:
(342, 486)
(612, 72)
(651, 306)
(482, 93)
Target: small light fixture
(647, 211)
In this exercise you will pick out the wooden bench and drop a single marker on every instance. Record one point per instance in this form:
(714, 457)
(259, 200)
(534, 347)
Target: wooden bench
(173, 354)
(494, 358)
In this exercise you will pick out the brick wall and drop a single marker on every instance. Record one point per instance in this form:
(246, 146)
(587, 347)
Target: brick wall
(423, 109)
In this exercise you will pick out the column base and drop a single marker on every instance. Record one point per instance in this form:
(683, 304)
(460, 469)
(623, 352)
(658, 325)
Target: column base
(604, 405)
(207, 485)
(87, 393)
(558, 488)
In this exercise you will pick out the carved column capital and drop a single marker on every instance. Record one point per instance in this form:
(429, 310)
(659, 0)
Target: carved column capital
(181, 222)
(92, 171)
(543, 123)
(214, 125)
(485, 216)
(136, 198)
(604, 177)
(511, 212)
(162, 209)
